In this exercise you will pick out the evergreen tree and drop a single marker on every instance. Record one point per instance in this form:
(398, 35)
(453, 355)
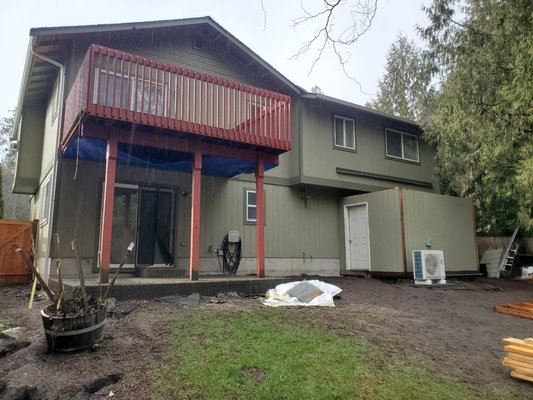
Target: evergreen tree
(480, 57)
(482, 122)
(405, 89)
(14, 206)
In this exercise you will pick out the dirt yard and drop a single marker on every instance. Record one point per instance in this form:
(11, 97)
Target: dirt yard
(451, 332)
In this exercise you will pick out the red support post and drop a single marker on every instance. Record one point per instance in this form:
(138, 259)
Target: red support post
(260, 217)
(194, 262)
(106, 223)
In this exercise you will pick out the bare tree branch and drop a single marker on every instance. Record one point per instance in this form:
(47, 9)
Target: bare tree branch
(327, 35)
(264, 15)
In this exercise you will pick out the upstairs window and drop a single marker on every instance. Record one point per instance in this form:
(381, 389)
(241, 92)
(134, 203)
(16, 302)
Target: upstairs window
(402, 145)
(344, 133)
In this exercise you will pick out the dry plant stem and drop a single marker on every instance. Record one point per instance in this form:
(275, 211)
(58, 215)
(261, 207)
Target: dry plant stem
(106, 295)
(30, 266)
(59, 275)
(74, 244)
(34, 284)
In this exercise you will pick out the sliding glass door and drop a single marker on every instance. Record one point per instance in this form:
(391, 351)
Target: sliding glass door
(155, 227)
(143, 215)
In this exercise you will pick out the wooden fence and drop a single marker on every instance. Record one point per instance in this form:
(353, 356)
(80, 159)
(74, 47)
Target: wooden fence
(490, 241)
(12, 267)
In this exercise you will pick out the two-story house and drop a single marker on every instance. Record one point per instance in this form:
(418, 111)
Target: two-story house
(169, 134)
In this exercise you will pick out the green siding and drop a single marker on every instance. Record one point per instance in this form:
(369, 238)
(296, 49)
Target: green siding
(79, 199)
(291, 227)
(50, 135)
(448, 222)
(384, 229)
(215, 58)
(296, 153)
(295, 228)
(30, 150)
(320, 158)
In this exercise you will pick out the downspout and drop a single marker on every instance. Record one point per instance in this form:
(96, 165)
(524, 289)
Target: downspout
(51, 209)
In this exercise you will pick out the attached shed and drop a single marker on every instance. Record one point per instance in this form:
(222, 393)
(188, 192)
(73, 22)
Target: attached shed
(381, 229)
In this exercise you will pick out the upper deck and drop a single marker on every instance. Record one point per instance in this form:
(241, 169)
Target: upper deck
(125, 87)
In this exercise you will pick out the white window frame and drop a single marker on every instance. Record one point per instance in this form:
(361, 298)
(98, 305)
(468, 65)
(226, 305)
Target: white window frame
(402, 134)
(44, 199)
(343, 145)
(247, 206)
(135, 87)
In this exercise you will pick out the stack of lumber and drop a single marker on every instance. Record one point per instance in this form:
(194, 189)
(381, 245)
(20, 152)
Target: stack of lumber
(523, 309)
(519, 357)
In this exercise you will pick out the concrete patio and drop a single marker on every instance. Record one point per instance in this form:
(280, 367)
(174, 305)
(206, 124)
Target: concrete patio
(128, 286)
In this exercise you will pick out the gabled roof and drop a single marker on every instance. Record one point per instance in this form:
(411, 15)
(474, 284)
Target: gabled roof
(39, 75)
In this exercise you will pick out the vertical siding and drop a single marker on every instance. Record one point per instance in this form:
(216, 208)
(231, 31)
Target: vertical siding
(216, 57)
(384, 229)
(321, 158)
(47, 150)
(50, 133)
(291, 228)
(78, 203)
(30, 152)
(295, 228)
(448, 222)
(297, 131)
(486, 241)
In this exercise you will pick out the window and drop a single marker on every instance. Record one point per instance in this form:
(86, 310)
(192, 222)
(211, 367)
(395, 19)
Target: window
(250, 211)
(108, 85)
(401, 145)
(45, 202)
(344, 133)
(115, 90)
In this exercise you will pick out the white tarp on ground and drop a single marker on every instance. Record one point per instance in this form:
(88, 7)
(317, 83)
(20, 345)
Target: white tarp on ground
(302, 293)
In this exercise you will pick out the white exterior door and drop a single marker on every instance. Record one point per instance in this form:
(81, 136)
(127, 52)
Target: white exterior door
(357, 238)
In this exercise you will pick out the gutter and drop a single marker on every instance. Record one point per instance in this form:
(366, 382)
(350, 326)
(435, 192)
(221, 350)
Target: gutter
(344, 103)
(25, 78)
(51, 209)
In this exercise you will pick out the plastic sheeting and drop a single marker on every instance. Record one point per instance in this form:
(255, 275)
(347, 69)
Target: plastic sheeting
(94, 149)
(302, 293)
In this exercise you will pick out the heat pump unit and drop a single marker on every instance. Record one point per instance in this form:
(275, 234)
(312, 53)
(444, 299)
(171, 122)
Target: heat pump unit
(428, 267)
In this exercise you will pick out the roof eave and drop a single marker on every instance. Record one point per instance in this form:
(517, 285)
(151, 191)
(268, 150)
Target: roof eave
(333, 100)
(69, 30)
(80, 29)
(23, 86)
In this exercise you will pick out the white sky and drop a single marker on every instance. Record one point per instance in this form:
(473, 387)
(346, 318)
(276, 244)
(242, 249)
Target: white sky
(272, 39)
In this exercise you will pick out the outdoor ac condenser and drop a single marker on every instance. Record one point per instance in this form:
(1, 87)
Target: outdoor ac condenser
(428, 267)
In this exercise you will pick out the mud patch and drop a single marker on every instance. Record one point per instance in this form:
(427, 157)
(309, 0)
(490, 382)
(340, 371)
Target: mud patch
(22, 393)
(11, 346)
(258, 374)
(448, 333)
(101, 383)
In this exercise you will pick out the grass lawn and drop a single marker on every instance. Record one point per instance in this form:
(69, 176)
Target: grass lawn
(265, 353)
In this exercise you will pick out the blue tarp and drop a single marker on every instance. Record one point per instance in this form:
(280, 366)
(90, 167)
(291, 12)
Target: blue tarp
(93, 149)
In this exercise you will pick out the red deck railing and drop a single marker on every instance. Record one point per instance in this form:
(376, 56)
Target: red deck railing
(121, 86)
